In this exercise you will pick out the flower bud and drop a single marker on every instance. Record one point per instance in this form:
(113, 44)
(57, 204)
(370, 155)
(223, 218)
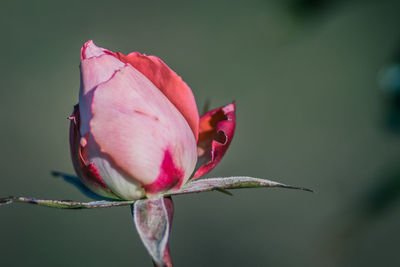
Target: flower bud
(127, 138)
(136, 131)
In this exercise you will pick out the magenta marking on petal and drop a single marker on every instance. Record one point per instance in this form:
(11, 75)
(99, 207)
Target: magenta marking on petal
(96, 175)
(170, 176)
(146, 114)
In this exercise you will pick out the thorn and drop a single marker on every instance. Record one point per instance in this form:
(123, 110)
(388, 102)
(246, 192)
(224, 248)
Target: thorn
(298, 188)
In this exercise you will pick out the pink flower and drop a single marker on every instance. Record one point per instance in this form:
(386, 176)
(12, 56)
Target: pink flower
(136, 131)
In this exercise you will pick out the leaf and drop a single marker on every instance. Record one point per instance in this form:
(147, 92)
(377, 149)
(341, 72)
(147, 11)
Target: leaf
(65, 204)
(153, 221)
(234, 182)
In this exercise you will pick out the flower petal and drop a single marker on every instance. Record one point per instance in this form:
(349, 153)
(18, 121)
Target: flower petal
(216, 131)
(96, 68)
(89, 49)
(169, 175)
(86, 172)
(116, 179)
(169, 83)
(134, 124)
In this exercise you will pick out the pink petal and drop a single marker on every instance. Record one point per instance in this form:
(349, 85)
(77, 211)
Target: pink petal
(89, 49)
(95, 170)
(217, 128)
(116, 179)
(86, 171)
(169, 83)
(96, 68)
(135, 124)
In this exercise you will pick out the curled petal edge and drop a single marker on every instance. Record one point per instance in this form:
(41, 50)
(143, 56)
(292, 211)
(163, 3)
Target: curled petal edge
(216, 131)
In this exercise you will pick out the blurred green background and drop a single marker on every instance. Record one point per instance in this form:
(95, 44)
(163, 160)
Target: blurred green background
(317, 106)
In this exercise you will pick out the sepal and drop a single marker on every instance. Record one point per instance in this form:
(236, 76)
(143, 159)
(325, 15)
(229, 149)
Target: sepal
(224, 183)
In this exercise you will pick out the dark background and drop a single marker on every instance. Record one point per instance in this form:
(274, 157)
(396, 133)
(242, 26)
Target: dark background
(318, 106)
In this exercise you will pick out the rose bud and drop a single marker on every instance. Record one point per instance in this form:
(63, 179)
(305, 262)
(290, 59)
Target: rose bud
(136, 131)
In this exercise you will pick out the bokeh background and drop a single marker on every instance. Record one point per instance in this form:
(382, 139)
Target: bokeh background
(318, 105)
